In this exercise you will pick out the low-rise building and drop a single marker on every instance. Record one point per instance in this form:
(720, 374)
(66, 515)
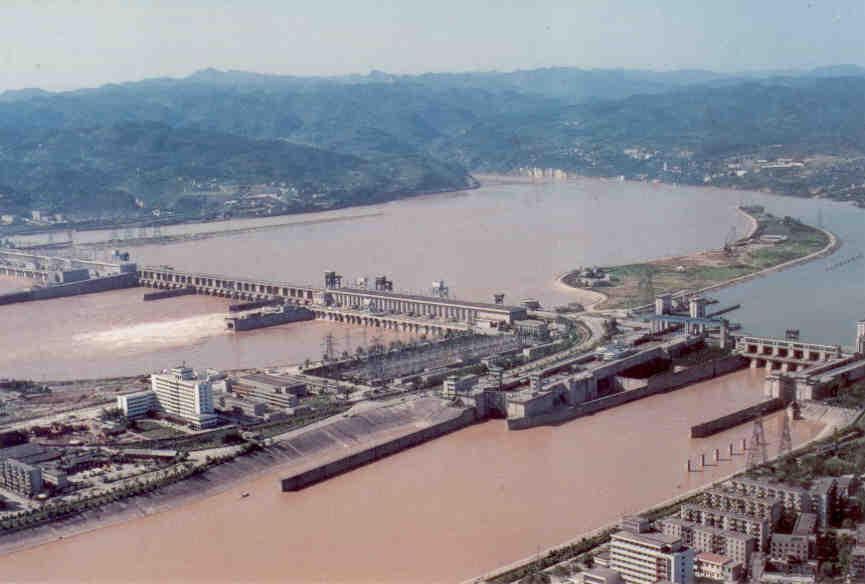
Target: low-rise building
(136, 405)
(790, 547)
(600, 575)
(717, 567)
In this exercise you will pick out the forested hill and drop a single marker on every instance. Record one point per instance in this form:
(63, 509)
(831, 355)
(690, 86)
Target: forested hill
(197, 142)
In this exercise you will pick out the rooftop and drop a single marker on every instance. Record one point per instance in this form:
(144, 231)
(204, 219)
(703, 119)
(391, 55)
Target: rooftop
(713, 558)
(274, 380)
(805, 523)
(650, 537)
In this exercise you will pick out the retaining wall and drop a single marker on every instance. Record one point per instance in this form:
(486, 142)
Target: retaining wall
(321, 473)
(657, 384)
(740, 417)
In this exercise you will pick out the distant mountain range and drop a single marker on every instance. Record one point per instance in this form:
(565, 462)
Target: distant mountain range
(356, 139)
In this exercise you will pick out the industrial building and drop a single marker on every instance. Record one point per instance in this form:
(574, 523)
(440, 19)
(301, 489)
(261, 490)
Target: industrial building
(246, 407)
(455, 386)
(277, 391)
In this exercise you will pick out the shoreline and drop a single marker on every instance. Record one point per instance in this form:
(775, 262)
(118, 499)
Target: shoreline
(824, 433)
(832, 245)
(219, 479)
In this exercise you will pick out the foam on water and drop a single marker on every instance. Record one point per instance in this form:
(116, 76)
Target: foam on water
(150, 335)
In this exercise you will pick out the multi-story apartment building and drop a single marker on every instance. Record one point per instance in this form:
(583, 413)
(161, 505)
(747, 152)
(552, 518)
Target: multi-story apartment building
(183, 394)
(646, 558)
(20, 477)
(824, 495)
(731, 544)
(730, 500)
(795, 499)
(678, 528)
(756, 527)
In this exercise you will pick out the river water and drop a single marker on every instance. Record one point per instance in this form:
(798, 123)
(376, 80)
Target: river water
(445, 511)
(465, 503)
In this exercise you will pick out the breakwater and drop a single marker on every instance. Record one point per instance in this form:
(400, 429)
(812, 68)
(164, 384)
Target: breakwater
(739, 417)
(657, 384)
(93, 285)
(323, 472)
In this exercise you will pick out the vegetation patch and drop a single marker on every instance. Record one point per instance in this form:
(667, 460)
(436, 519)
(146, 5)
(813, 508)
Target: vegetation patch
(777, 240)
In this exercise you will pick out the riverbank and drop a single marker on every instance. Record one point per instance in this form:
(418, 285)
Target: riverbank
(833, 420)
(312, 446)
(770, 245)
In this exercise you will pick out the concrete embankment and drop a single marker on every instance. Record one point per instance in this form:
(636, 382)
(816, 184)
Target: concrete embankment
(315, 475)
(736, 418)
(93, 285)
(318, 443)
(657, 384)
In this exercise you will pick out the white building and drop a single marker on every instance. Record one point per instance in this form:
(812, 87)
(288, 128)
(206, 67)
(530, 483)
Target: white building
(181, 393)
(645, 558)
(135, 405)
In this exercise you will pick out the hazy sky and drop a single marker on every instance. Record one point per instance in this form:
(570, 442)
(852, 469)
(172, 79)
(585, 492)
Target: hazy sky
(67, 44)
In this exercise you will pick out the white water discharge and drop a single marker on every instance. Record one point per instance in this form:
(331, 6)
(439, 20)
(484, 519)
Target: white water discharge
(143, 336)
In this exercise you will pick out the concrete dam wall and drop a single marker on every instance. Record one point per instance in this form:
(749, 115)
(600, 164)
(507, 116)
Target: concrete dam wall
(660, 383)
(323, 472)
(91, 286)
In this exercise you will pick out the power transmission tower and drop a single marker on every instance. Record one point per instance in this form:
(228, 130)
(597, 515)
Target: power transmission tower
(786, 443)
(646, 287)
(328, 347)
(347, 343)
(757, 454)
